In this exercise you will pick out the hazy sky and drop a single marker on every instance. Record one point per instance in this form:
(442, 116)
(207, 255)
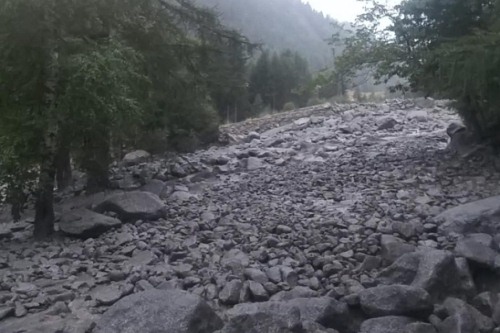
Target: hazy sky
(341, 10)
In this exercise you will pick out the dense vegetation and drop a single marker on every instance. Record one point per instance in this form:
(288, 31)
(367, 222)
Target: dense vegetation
(79, 79)
(280, 25)
(446, 49)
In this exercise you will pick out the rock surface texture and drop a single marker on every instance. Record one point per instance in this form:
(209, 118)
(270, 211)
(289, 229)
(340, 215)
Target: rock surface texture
(336, 219)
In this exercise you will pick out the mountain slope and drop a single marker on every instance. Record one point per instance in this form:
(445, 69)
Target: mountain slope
(280, 25)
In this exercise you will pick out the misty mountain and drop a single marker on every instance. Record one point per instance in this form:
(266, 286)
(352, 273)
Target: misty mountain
(280, 25)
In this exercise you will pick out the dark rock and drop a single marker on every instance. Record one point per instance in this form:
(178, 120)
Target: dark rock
(481, 216)
(155, 186)
(256, 275)
(313, 327)
(455, 306)
(289, 276)
(235, 259)
(387, 123)
(419, 328)
(132, 206)
(460, 322)
(324, 310)
(398, 300)
(274, 274)
(485, 302)
(432, 270)
(6, 312)
(85, 223)
(370, 263)
(297, 292)
(476, 252)
(257, 291)
(178, 171)
(158, 311)
(230, 294)
(389, 324)
(270, 317)
(392, 248)
(466, 282)
(109, 294)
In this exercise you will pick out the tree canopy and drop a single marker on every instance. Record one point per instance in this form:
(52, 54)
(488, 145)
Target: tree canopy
(81, 78)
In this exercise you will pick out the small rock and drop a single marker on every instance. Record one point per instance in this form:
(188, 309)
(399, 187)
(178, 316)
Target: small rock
(133, 206)
(289, 276)
(419, 328)
(256, 275)
(108, 294)
(136, 157)
(257, 291)
(6, 312)
(389, 324)
(297, 292)
(85, 223)
(283, 229)
(230, 294)
(392, 248)
(274, 274)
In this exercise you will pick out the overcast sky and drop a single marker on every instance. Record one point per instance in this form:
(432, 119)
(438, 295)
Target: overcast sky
(341, 10)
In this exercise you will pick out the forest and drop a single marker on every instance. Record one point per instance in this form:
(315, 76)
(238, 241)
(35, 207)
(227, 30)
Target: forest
(82, 82)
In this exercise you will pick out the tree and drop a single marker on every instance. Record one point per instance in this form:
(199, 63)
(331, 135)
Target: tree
(77, 77)
(446, 49)
(280, 78)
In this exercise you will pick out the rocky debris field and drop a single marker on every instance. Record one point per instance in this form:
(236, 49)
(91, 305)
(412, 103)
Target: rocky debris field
(353, 219)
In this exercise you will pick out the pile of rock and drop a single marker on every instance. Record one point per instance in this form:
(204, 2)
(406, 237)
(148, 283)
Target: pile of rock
(339, 222)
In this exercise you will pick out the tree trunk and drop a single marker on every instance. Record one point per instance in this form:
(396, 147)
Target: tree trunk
(96, 163)
(63, 168)
(44, 207)
(44, 204)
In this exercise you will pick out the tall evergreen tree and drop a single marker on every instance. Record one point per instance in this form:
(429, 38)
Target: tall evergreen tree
(76, 77)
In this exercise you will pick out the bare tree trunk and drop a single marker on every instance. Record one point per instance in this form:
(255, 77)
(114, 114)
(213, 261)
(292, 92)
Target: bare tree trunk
(44, 205)
(63, 167)
(96, 163)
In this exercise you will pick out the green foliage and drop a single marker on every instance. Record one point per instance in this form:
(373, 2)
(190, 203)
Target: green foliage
(446, 49)
(289, 106)
(280, 78)
(89, 75)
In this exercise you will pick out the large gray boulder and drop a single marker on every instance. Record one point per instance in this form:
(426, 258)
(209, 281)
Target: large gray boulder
(397, 300)
(136, 156)
(159, 311)
(392, 248)
(84, 223)
(270, 317)
(476, 252)
(481, 216)
(388, 324)
(325, 311)
(461, 322)
(132, 206)
(435, 271)
(457, 307)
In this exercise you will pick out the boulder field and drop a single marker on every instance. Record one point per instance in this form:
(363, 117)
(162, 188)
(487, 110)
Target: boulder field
(341, 218)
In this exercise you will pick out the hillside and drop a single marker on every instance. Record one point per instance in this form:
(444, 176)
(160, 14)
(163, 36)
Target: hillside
(280, 24)
(316, 211)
